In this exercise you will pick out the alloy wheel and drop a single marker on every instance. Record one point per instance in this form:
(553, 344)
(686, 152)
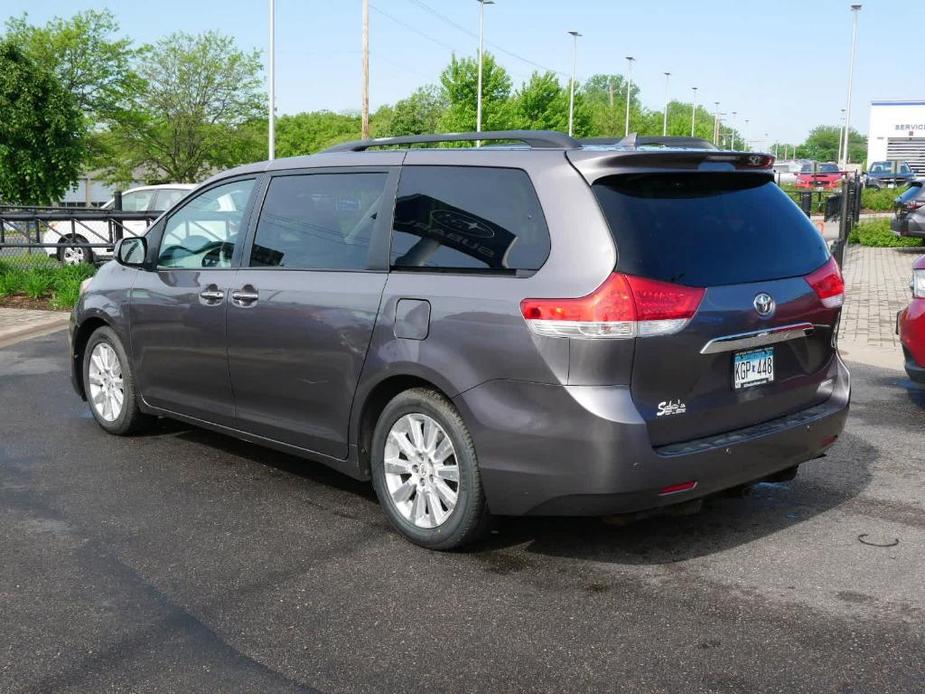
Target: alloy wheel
(107, 390)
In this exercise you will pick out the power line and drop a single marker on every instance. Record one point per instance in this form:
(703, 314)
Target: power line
(498, 47)
(415, 30)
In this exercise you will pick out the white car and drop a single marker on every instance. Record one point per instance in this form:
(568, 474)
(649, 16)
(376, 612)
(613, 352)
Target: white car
(786, 171)
(154, 199)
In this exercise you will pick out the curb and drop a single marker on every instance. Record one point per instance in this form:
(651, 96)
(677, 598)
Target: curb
(53, 324)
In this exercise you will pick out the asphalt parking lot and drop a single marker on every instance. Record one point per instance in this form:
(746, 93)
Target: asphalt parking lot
(187, 561)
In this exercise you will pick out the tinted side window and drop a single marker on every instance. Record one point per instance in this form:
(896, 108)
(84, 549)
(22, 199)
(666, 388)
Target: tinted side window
(318, 221)
(468, 218)
(203, 232)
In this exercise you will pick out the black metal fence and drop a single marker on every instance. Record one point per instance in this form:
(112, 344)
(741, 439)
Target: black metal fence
(37, 235)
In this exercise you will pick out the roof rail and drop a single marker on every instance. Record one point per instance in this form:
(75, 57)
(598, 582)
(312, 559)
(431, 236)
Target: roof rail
(536, 139)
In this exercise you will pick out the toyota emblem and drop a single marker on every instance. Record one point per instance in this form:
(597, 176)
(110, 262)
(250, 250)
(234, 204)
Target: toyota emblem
(764, 305)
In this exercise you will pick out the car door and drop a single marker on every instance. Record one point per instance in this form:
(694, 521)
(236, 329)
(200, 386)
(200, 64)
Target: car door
(178, 307)
(305, 301)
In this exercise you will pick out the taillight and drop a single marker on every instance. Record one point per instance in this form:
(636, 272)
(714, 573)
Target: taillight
(915, 205)
(624, 306)
(828, 284)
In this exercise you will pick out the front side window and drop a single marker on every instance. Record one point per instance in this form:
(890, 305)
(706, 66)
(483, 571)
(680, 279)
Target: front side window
(203, 232)
(318, 221)
(167, 198)
(468, 219)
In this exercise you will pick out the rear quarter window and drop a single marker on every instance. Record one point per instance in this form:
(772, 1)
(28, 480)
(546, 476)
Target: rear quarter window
(468, 218)
(708, 229)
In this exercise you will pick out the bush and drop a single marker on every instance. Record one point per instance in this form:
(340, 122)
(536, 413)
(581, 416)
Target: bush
(876, 232)
(45, 281)
(879, 200)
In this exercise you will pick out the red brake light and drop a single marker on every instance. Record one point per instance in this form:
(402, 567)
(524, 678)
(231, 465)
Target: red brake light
(624, 306)
(828, 284)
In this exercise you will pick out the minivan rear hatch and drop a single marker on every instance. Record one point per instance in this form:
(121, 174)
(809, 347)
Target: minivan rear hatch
(760, 343)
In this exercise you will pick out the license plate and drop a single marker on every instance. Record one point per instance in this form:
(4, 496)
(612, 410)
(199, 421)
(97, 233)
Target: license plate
(753, 368)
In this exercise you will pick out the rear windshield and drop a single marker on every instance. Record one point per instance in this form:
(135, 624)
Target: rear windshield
(708, 229)
(914, 191)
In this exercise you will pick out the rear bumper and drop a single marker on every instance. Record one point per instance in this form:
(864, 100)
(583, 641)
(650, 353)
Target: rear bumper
(907, 226)
(584, 450)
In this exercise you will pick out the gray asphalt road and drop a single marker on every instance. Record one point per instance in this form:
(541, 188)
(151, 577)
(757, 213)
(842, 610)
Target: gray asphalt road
(186, 561)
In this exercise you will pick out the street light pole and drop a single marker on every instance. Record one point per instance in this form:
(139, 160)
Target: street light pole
(715, 122)
(271, 144)
(478, 107)
(667, 101)
(732, 129)
(629, 85)
(841, 135)
(571, 88)
(364, 102)
(843, 162)
(745, 134)
(693, 110)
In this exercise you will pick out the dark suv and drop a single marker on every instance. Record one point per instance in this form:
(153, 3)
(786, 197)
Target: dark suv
(537, 328)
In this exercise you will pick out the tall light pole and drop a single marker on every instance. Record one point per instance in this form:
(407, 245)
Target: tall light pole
(271, 145)
(855, 9)
(364, 102)
(715, 122)
(841, 134)
(571, 85)
(693, 110)
(629, 85)
(478, 107)
(745, 134)
(732, 129)
(667, 101)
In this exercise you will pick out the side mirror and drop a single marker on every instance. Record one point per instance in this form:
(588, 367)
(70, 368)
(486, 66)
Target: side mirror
(131, 251)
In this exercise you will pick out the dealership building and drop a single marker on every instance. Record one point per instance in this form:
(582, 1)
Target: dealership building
(897, 132)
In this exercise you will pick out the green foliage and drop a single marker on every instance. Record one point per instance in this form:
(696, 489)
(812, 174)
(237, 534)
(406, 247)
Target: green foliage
(459, 83)
(542, 104)
(876, 232)
(307, 133)
(41, 148)
(59, 284)
(879, 200)
(201, 93)
(417, 114)
(822, 145)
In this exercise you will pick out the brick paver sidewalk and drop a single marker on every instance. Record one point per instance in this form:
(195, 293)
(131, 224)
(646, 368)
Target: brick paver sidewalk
(18, 324)
(876, 288)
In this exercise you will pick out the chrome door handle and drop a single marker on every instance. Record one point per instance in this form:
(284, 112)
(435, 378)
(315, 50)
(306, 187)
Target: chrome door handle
(211, 296)
(244, 296)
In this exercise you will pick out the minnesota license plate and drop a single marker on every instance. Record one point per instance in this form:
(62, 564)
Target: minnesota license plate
(753, 368)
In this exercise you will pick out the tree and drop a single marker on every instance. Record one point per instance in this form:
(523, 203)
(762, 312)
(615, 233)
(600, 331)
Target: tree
(822, 144)
(40, 131)
(605, 96)
(201, 95)
(85, 55)
(307, 133)
(417, 114)
(459, 82)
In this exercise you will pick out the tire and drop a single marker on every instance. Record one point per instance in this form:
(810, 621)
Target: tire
(102, 347)
(393, 468)
(72, 255)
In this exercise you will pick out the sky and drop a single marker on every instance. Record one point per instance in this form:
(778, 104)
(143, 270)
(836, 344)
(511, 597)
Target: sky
(780, 64)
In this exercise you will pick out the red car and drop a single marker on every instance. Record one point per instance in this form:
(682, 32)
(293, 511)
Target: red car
(825, 176)
(911, 325)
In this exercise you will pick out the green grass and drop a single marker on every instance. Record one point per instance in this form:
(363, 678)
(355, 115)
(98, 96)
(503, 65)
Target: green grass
(876, 233)
(59, 285)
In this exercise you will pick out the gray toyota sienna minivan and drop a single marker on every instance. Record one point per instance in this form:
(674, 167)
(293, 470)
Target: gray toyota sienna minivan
(533, 326)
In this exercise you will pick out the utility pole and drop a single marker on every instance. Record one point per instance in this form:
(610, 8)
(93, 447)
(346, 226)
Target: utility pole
(629, 85)
(364, 126)
(571, 87)
(693, 110)
(272, 97)
(478, 108)
(843, 162)
(667, 101)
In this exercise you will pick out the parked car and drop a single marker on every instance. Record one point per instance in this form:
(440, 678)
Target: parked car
(909, 211)
(547, 330)
(819, 177)
(154, 199)
(888, 174)
(786, 171)
(911, 325)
